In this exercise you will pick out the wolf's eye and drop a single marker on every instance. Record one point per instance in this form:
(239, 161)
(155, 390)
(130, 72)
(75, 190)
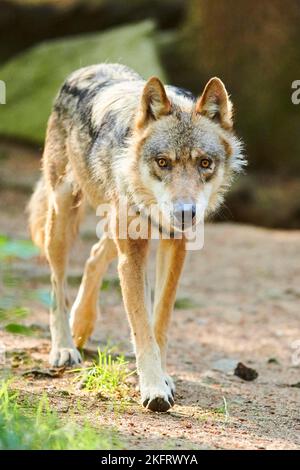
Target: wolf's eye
(205, 163)
(162, 162)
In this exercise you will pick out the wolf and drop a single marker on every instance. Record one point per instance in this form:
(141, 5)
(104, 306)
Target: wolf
(111, 134)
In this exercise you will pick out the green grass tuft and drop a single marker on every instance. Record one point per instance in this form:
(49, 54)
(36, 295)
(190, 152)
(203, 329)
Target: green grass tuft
(108, 376)
(111, 284)
(41, 428)
(185, 303)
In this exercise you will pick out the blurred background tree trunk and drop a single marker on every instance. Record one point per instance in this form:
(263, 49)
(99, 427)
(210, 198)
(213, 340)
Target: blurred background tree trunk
(255, 48)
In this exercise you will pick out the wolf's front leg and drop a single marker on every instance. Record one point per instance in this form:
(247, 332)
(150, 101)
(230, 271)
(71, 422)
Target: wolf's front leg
(155, 391)
(170, 259)
(85, 308)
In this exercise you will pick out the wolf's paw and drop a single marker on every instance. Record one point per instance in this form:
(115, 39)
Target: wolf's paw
(157, 398)
(81, 333)
(64, 357)
(82, 321)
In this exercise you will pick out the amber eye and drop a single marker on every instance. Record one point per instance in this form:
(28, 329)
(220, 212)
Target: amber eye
(162, 162)
(205, 163)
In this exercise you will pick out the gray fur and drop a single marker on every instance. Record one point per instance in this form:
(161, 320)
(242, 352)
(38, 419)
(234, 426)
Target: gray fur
(99, 105)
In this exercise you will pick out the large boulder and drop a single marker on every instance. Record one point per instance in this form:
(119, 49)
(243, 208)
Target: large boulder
(33, 78)
(24, 23)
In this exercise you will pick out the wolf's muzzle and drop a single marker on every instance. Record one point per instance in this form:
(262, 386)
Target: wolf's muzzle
(184, 214)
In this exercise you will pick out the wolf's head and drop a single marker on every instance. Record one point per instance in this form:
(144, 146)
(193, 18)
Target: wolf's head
(185, 150)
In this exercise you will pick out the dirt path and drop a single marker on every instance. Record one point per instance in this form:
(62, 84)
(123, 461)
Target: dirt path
(238, 301)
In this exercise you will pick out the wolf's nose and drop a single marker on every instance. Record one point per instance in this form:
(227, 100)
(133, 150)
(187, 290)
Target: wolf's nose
(184, 213)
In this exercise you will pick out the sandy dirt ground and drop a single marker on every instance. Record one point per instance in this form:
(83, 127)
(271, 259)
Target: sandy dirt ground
(238, 301)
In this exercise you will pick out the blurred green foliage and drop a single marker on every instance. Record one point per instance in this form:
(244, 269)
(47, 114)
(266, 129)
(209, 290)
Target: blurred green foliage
(23, 249)
(12, 289)
(18, 329)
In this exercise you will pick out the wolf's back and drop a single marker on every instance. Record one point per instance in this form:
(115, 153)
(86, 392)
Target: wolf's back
(88, 81)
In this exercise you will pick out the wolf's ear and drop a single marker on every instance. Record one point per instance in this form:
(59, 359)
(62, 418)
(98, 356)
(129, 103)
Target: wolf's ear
(215, 104)
(154, 102)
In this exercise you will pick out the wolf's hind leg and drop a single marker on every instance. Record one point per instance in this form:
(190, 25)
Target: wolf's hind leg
(37, 211)
(61, 227)
(85, 308)
(170, 259)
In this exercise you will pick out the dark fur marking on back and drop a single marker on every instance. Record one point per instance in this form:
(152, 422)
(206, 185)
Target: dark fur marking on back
(112, 130)
(84, 101)
(182, 92)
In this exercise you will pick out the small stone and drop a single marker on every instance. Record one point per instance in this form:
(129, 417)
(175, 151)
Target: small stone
(273, 360)
(225, 365)
(245, 373)
(296, 385)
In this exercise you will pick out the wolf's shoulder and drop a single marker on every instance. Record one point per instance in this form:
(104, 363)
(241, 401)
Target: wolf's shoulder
(92, 77)
(85, 83)
(103, 72)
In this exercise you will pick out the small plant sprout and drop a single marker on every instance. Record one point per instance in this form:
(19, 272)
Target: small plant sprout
(223, 410)
(226, 412)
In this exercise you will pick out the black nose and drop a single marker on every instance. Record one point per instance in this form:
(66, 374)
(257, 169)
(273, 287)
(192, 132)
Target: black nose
(184, 213)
